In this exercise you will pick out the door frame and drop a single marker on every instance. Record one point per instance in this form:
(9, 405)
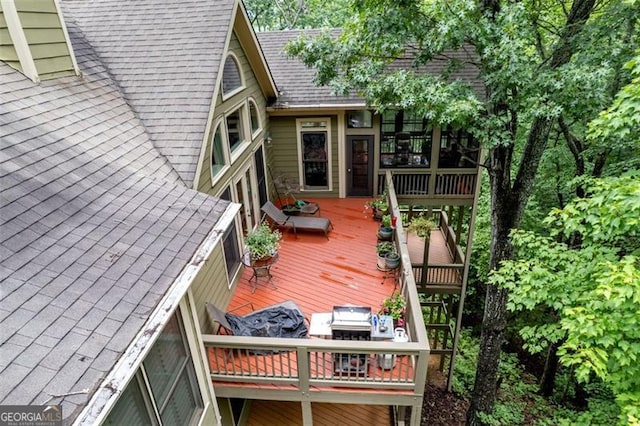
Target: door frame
(349, 164)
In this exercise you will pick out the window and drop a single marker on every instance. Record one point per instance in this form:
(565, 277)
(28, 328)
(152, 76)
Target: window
(231, 76)
(458, 149)
(172, 395)
(231, 251)
(235, 128)
(218, 160)
(314, 151)
(254, 117)
(359, 119)
(406, 140)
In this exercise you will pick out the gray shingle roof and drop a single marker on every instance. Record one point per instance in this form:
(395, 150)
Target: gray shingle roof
(95, 226)
(295, 80)
(165, 56)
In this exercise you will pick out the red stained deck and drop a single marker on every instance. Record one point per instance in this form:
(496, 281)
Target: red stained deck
(319, 273)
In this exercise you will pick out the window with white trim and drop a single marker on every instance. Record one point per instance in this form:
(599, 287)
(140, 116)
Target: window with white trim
(254, 118)
(218, 155)
(165, 390)
(314, 153)
(231, 76)
(235, 128)
(231, 249)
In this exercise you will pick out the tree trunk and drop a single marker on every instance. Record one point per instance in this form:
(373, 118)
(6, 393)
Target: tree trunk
(548, 379)
(507, 206)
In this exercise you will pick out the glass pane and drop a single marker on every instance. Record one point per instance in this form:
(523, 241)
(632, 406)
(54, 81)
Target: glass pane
(217, 153)
(458, 149)
(234, 129)
(130, 408)
(182, 405)
(314, 146)
(230, 76)
(165, 360)
(315, 174)
(359, 119)
(231, 251)
(255, 119)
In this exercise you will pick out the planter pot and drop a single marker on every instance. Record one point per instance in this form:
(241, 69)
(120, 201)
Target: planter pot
(377, 214)
(392, 260)
(382, 261)
(385, 234)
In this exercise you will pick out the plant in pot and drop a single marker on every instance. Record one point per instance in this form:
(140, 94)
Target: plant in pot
(263, 243)
(378, 207)
(395, 306)
(383, 248)
(422, 227)
(385, 232)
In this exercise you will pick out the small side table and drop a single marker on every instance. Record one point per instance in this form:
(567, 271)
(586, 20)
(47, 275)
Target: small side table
(310, 209)
(260, 268)
(320, 325)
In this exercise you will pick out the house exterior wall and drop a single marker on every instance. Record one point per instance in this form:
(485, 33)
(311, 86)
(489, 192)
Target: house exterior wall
(210, 285)
(46, 38)
(282, 152)
(8, 52)
(251, 91)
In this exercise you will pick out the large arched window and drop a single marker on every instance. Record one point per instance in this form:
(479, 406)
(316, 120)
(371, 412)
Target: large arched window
(231, 76)
(218, 160)
(254, 117)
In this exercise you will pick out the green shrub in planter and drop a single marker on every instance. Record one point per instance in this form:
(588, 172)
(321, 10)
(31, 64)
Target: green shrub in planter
(263, 242)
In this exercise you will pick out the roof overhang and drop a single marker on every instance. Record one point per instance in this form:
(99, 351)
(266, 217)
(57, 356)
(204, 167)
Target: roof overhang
(107, 394)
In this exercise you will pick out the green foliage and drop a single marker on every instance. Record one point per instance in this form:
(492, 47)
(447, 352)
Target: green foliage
(263, 242)
(384, 247)
(395, 306)
(422, 226)
(595, 290)
(272, 15)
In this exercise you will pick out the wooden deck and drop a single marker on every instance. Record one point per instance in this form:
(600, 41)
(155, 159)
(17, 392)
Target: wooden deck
(318, 273)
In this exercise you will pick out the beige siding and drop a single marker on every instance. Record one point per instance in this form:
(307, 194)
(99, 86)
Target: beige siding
(45, 36)
(7, 49)
(251, 90)
(282, 153)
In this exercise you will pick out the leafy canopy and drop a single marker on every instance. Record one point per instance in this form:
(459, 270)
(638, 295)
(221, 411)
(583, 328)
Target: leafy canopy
(595, 289)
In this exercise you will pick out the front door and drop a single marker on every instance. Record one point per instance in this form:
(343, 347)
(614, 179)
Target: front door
(360, 166)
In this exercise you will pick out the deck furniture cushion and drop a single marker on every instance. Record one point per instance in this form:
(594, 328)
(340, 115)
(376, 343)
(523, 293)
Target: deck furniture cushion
(296, 223)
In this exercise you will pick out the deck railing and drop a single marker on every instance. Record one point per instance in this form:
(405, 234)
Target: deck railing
(458, 183)
(290, 369)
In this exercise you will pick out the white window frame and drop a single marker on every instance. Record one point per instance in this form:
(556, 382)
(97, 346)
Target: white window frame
(225, 96)
(255, 133)
(244, 119)
(219, 123)
(299, 131)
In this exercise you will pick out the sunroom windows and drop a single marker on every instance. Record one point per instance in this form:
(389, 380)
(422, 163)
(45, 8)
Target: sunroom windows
(406, 140)
(165, 389)
(314, 153)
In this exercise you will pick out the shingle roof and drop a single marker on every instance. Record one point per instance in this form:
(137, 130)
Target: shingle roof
(95, 226)
(165, 56)
(295, 80)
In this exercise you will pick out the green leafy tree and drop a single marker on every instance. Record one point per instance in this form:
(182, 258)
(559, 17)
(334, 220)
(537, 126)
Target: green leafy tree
(526, 54)
(272, 15)
(594, 289)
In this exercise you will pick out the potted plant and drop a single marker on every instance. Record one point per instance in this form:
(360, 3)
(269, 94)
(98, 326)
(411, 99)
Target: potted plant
(382, 249)
(263, 243)
(392, 260)
(395, 306)
(385, 232)
(422, 227)
(378, 207)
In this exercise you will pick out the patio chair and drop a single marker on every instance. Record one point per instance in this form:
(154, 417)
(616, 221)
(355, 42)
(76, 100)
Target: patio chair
(304, 223)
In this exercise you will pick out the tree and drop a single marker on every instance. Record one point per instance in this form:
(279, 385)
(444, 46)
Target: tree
(595, 289)
(269, 15)
(522, 51)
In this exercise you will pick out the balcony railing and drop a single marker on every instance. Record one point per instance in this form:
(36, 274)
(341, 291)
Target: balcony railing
(431, 184)
(293, 369)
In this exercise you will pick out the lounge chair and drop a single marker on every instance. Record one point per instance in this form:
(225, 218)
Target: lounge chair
(303, 223)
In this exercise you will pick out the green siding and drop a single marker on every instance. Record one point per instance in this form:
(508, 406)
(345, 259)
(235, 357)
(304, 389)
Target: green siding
(8, 52)
(211, 286)
(45, 35)
(251, 90)
(283, 152)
